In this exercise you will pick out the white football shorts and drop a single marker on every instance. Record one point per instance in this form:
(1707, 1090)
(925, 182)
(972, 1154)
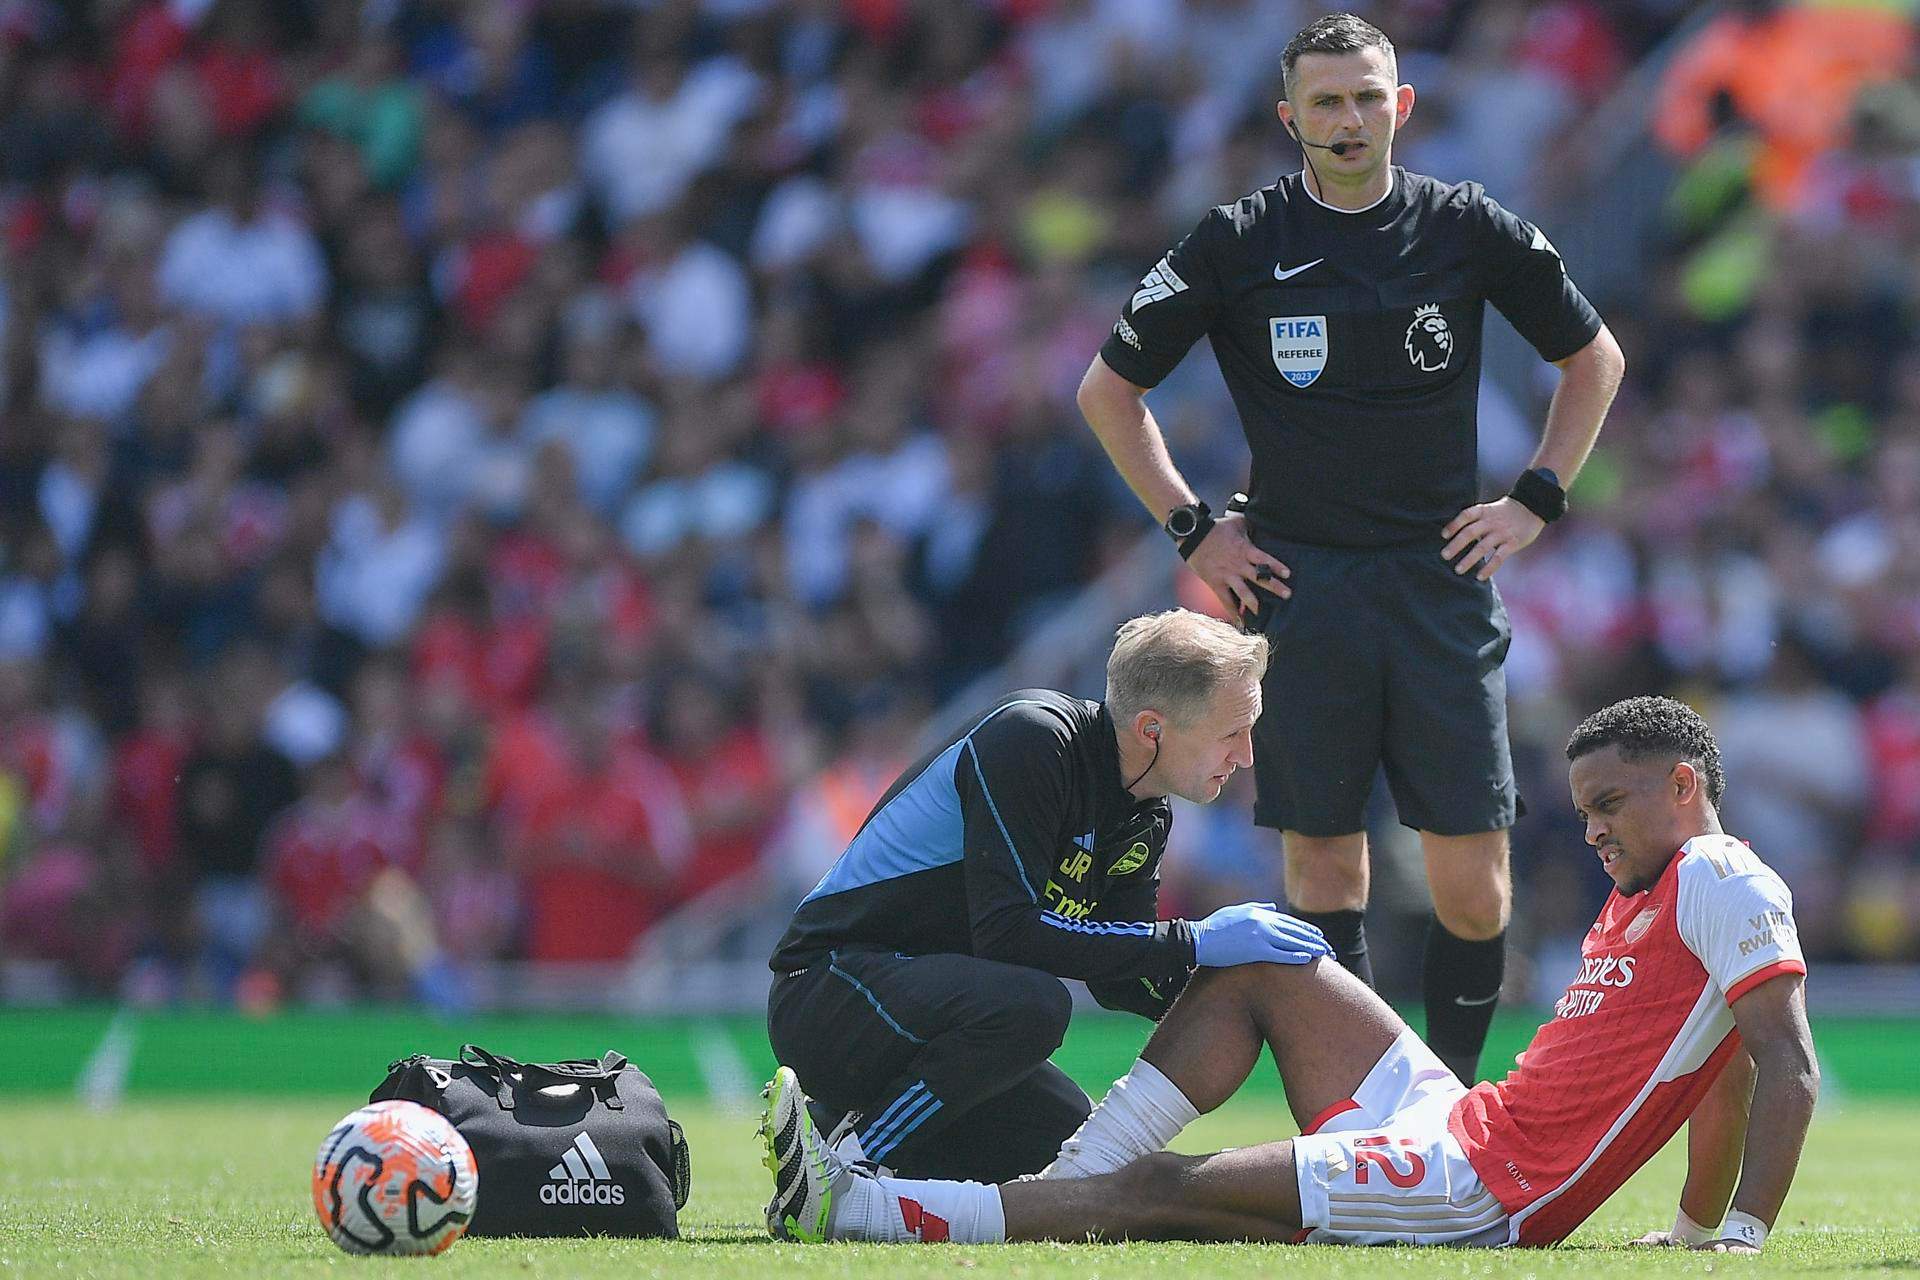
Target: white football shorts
(1384, 1170)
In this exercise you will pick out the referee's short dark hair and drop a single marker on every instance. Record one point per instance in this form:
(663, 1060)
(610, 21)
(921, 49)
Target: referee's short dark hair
(1652, 726)
(1335, 33)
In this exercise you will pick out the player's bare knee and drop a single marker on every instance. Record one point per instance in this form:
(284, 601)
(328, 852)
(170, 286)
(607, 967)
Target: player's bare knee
(1240, 986)
(1263, 994)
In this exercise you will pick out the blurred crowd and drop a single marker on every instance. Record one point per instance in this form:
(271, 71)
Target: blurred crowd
(479, 477)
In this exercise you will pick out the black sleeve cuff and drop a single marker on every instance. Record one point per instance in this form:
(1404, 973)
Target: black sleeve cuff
(1555, 353)
(1148, 997)
(1131, 364)
(1180, 935)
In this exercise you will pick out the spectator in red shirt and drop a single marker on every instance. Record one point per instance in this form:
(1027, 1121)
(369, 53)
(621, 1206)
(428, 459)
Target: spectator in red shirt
(146, 772)
(727, 776)
(582, 822)
(496, 664)
(473, 893)
(239, 69)
(322, 855)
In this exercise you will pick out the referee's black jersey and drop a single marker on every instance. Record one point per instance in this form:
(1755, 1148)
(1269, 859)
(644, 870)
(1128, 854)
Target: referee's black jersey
(1012, 841)
(1350, 343)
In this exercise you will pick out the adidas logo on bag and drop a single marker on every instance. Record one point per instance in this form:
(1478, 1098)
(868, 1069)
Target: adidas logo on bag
(582, 1177)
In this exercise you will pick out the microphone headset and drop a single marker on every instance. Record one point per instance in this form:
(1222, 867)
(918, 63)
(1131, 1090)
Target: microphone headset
(1338, 148)
(1152, 730)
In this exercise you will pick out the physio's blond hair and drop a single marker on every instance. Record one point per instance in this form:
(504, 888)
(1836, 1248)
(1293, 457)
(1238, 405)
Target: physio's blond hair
(1174, 662)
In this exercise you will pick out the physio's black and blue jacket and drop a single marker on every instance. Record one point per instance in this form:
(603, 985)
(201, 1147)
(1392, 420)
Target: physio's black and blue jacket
(1013, 841)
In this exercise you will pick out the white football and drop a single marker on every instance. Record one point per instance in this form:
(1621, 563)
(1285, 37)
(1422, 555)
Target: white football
(395, 1178)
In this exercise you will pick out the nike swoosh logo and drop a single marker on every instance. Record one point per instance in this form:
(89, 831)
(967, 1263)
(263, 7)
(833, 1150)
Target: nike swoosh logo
(1282, 273)
(1462, 1000)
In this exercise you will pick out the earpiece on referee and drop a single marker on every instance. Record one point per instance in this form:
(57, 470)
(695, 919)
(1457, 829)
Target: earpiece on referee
(1153, 730)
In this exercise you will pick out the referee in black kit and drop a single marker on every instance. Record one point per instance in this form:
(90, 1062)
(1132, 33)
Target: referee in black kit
(1344, 305)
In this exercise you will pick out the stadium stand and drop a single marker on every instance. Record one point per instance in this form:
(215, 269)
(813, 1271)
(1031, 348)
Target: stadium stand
(479, 480)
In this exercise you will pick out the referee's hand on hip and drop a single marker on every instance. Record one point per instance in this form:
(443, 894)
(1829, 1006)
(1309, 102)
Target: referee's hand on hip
(1484, 535)
(1227, 561)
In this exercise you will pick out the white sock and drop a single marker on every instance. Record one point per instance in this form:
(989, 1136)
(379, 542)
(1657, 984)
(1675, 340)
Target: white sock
(1140, 1115)
(892, 1210)
(849, 1148)
(864, 1212)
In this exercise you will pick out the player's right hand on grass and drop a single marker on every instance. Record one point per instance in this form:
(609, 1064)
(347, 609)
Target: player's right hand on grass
(1656, 1240)
(1255, 933)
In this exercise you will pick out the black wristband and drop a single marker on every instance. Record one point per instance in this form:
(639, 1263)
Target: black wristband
(1539, 491)
(1191, 543)
(1188, 526)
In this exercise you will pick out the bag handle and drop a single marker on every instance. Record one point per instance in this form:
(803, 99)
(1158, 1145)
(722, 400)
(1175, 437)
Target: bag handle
(601, 1076)
(612, 1063)
(500, 1068)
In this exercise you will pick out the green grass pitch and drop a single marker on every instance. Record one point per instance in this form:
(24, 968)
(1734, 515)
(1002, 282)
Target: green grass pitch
(218, 1187)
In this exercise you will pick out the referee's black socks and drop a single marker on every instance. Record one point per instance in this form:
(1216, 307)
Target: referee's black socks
(1462, 987)
(1347, 934)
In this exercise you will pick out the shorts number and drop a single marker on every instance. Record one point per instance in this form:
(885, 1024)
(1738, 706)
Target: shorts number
(1364, 1158)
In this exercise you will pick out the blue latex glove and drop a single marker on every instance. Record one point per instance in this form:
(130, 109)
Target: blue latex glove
(1255, 933)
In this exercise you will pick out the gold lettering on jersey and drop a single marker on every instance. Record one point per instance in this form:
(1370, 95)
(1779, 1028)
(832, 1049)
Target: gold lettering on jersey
(1072, 908)
(1076, 864)
(1766, 925)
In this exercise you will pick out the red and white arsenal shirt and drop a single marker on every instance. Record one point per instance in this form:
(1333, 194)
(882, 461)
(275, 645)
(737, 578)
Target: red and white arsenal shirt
(1636, 1041)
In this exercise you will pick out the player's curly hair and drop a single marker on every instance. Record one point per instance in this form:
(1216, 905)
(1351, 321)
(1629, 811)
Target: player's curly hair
(1653, 726)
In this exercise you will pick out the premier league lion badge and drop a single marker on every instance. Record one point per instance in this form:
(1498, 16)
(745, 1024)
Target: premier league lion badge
(1429, 341)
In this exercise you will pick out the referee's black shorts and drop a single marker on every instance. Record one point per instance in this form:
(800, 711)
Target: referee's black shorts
(1383, 657)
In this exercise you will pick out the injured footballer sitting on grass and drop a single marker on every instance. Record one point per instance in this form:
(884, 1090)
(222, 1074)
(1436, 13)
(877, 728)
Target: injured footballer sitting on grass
(1689, 1007)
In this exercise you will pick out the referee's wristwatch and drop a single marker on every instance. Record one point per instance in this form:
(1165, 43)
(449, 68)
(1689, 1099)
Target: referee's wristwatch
(1188, 526)
(1539, 491)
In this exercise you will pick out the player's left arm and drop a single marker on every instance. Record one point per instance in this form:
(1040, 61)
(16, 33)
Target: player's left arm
(1736, 916)
(1522, 274)
(1772, 1018)
(1487, 533)
(1716, 1139)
